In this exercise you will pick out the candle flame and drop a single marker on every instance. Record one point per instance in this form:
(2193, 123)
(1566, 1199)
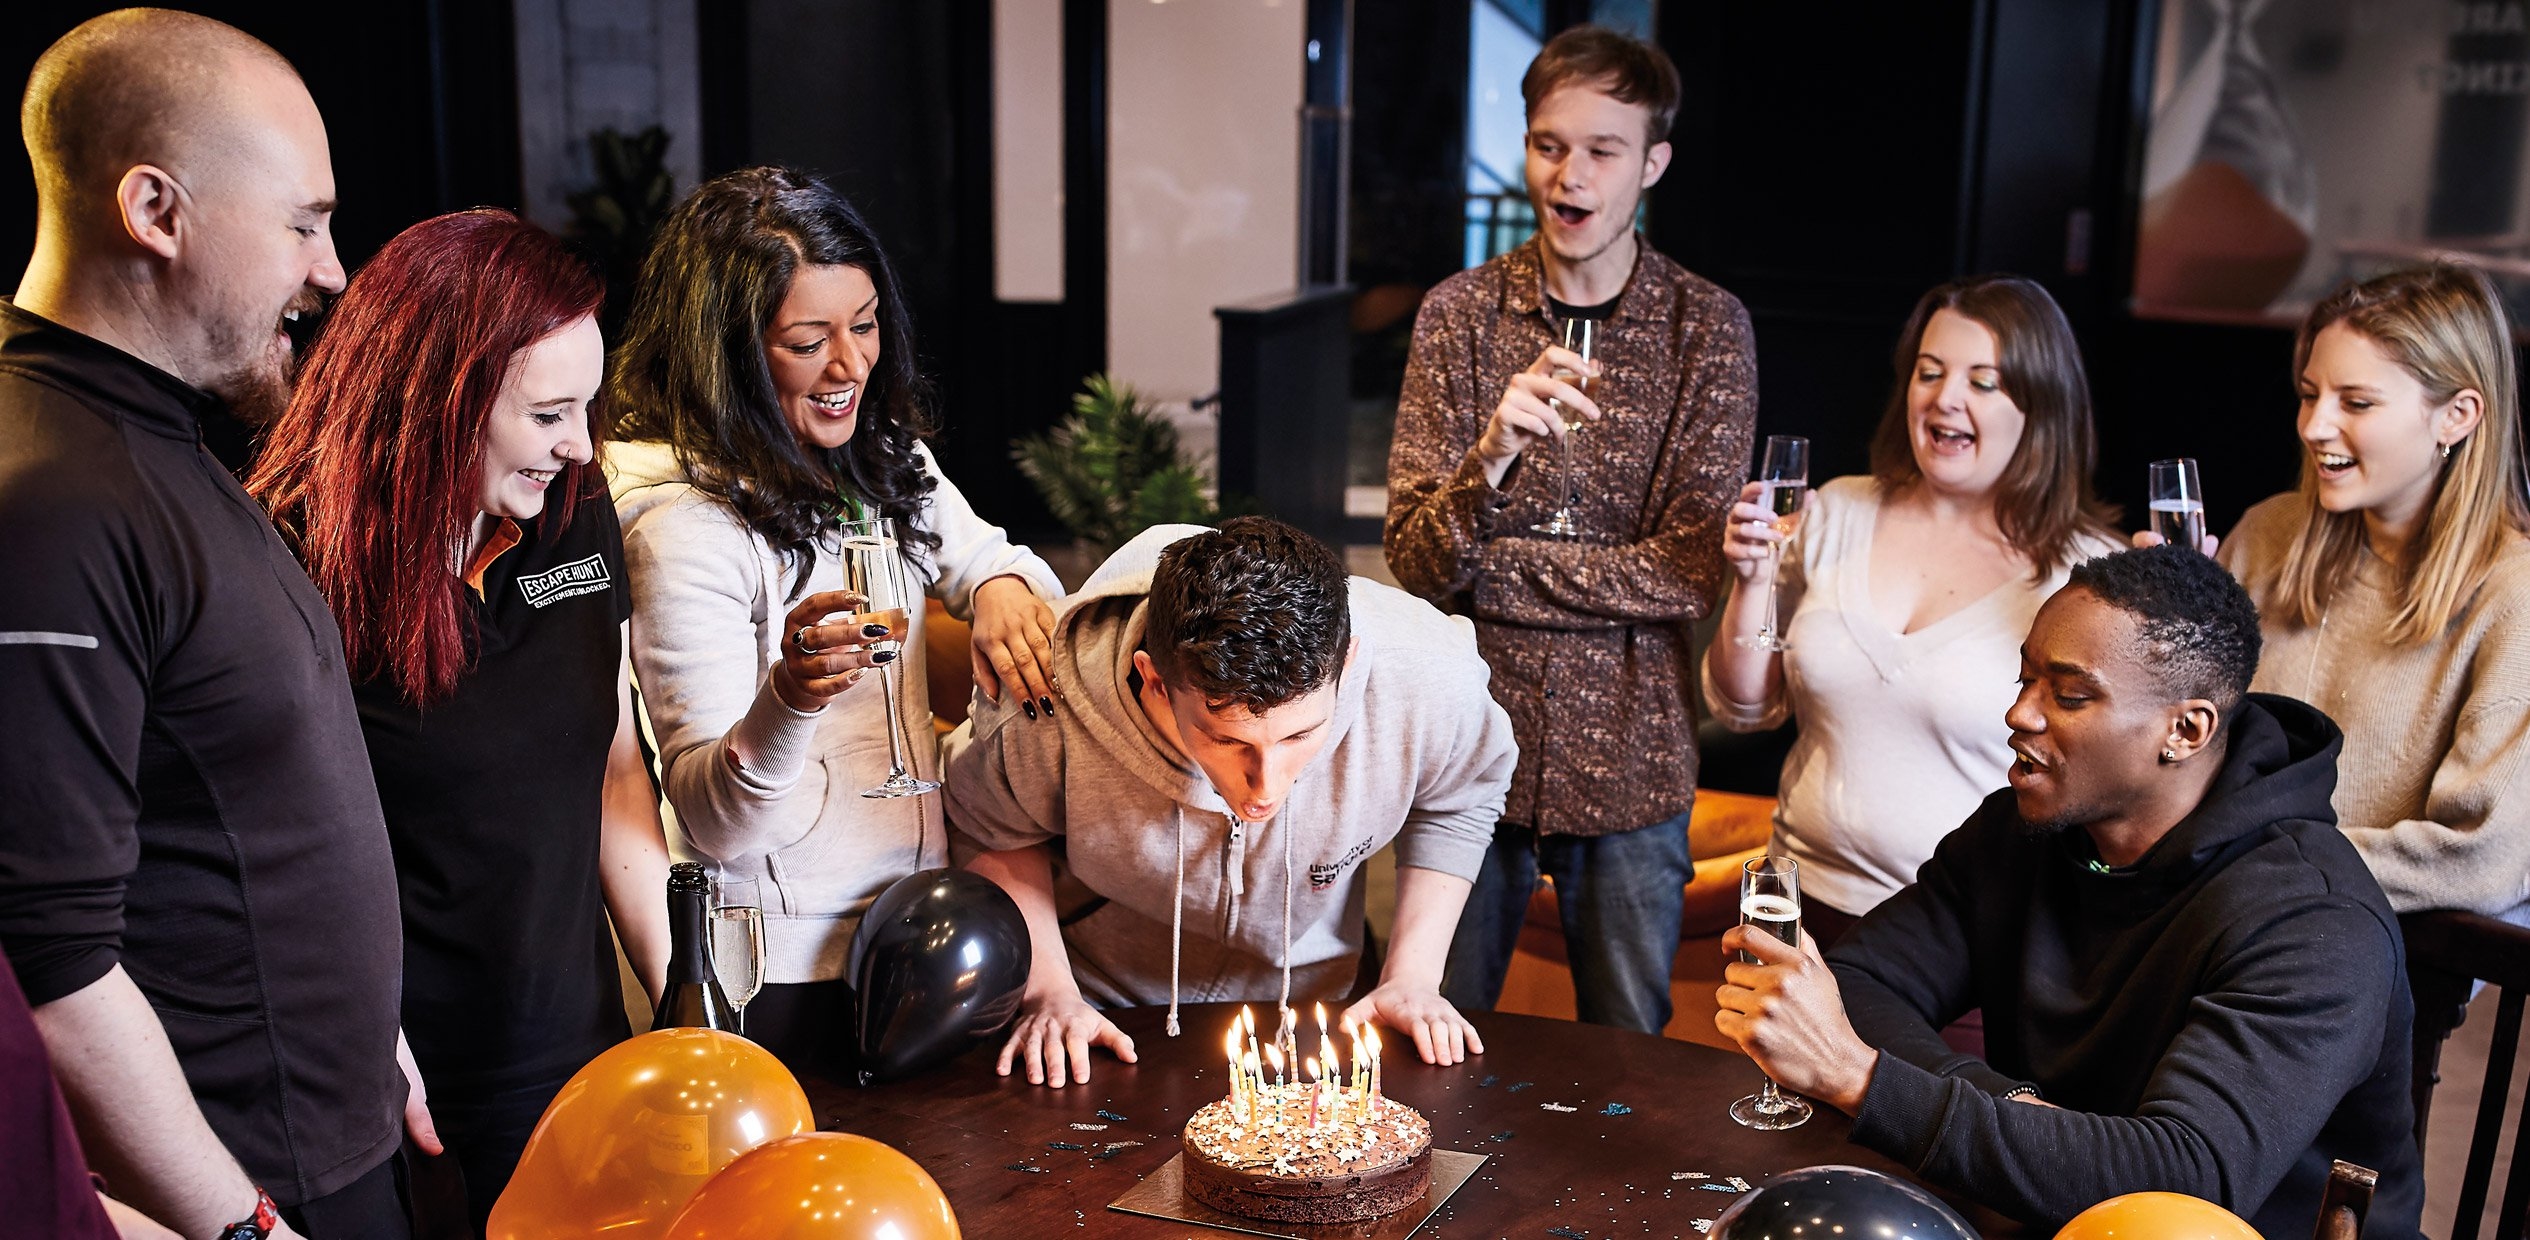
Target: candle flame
(1273, 1057)
(1321, 1019)
(1312, 1063)
(1247, 1020)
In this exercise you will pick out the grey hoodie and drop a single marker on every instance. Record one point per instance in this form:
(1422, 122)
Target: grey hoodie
(1198, 905)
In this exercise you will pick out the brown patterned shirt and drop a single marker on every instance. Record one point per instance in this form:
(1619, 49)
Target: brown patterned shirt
(1588, 639)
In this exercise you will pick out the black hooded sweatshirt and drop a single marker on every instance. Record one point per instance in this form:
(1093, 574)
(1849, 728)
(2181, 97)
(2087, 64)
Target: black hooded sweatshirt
(2220, 1019)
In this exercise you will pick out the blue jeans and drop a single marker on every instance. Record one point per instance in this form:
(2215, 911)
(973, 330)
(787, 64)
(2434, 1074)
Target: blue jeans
(1621, 897)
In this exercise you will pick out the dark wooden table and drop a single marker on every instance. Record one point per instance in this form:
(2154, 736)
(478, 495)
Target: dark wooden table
(1537, 1102)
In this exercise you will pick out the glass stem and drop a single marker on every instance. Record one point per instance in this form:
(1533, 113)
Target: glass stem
(895, 731)
(1769, 630)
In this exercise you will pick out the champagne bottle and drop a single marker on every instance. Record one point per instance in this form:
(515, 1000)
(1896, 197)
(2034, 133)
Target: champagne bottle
(693, 999)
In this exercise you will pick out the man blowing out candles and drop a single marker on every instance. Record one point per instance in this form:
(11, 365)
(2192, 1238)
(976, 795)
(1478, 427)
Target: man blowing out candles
(1248, 725)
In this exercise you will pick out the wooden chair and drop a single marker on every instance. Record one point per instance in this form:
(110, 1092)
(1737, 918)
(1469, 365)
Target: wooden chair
(2447, 953)
(2346, 1203)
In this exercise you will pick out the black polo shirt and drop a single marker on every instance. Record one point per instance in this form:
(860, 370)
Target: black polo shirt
(492, 800)
(183, 789)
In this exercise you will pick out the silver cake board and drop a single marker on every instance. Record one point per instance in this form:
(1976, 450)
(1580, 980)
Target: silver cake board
(1162, 1194)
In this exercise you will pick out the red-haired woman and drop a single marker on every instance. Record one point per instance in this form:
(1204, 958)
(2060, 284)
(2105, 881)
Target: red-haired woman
(434, 471)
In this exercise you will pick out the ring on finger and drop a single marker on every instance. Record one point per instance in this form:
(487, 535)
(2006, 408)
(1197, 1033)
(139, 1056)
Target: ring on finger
(799, 641)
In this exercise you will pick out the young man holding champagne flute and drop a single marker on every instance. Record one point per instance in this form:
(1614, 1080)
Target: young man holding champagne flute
(1636, 383)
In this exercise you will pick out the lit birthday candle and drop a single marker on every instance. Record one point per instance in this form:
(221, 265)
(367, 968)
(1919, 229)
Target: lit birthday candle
(1274, 1059)
(1238, 1078)
(1247, 1022)
(1254, 1078)
(1374, 1072)
(1334, 1073)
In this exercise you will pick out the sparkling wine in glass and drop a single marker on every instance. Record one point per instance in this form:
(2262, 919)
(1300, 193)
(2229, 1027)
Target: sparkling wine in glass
(1784, 478)
(738, 943)
(2178, 503)
(1581, 336)
(874, 566)
(1770, 900)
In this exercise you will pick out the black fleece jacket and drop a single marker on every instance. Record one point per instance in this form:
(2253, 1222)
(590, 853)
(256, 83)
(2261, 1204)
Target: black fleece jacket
(2220, 1019)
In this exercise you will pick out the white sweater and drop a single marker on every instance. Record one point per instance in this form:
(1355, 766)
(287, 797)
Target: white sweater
(709, 597)
(1902, 734)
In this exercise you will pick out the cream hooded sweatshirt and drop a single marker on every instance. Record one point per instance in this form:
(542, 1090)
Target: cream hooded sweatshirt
(709, 597)
(1197, 905)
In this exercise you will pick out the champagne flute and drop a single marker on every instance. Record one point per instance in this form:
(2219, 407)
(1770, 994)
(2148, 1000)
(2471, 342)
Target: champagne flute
(2178, 503)
(1580, 336)
(874, 567)
(1785, 474)
(1770, 899)
(738, 943)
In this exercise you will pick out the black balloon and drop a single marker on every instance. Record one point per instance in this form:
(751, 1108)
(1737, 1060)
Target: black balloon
(938, 965)
(1839, 1203)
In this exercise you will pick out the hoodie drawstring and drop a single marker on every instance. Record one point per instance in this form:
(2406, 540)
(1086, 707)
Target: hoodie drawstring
(1177, 923)
(1177, 912)
(1285, 832)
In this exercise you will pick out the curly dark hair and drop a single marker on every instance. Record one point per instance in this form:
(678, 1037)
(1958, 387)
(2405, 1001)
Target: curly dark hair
(2199, 628)
(1253, 614)
(691, 370)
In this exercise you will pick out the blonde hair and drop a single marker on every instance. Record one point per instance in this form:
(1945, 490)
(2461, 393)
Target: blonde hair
(2445, 325)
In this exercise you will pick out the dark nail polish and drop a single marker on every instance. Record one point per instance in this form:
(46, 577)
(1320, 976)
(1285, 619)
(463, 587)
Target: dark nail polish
(1029, 707)
(1046, 704)
(874, 630)
(883, 656)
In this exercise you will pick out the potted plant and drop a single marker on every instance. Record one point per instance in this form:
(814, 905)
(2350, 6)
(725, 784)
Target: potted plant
(1114, 468)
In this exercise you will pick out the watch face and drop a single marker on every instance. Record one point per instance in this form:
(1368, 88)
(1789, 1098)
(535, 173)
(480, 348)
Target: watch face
(267, 1218)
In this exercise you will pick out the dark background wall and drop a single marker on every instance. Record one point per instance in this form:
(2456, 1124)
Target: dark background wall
(420, 100)
(1831, 165)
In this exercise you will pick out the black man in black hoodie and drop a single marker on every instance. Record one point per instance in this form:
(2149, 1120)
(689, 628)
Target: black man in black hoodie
(2190, 981)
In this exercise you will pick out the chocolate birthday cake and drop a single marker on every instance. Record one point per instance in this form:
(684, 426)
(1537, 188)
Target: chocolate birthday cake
(1297, 1153)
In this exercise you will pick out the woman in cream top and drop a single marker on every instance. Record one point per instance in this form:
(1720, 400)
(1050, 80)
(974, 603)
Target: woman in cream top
(1908, 593)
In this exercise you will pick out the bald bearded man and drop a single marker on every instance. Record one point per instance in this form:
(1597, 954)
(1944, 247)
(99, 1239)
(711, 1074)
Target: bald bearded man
(195, 884)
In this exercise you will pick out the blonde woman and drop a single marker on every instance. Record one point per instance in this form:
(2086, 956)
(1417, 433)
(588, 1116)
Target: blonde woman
(2394, 583)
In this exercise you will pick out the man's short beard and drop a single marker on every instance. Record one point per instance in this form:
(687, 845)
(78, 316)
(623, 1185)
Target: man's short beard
(257, 394)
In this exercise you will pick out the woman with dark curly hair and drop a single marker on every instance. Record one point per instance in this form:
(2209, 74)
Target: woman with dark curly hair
(768, 393)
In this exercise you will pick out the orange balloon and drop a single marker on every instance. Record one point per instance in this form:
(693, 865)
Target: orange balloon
(2157, 1216)
(635, 1133)
(823, 1186)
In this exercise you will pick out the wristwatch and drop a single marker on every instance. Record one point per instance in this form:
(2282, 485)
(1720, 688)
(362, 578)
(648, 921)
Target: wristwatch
(266, 1220)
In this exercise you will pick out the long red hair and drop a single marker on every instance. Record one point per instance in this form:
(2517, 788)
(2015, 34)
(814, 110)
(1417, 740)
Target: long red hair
(376, 467)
